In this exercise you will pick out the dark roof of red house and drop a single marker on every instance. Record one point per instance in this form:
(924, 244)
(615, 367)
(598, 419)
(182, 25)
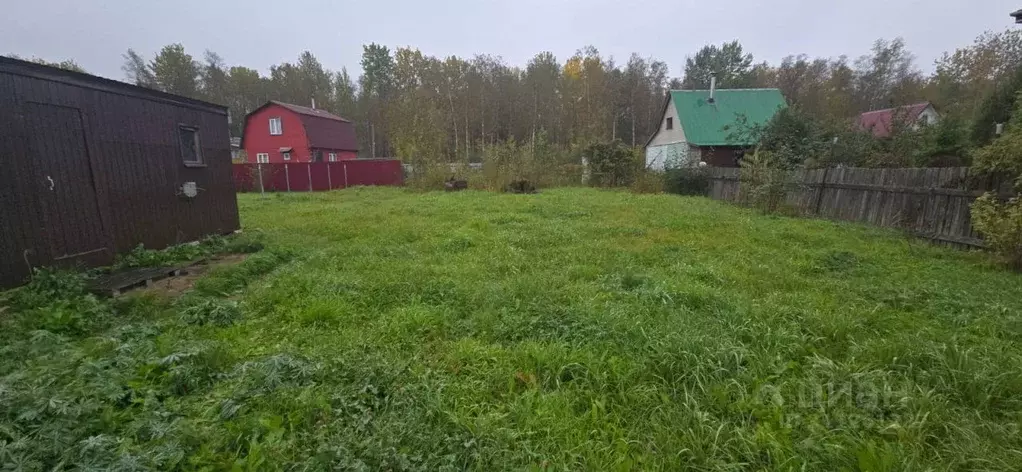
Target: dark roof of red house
(315, 112)
(323, 129)
(879, 121)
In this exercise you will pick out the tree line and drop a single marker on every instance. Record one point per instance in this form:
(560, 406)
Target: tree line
(408, 104)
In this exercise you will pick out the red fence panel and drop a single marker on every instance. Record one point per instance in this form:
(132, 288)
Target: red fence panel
(316, 176)
(319, 174)
(243, 178)
(276, 177)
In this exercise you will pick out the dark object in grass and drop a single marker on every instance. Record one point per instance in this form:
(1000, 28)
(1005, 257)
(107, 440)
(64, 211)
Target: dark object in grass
(452, 185)
(118, 282)
(520, 186)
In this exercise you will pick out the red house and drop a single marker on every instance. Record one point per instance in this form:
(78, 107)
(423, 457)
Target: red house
(281, 132)
(882, 122)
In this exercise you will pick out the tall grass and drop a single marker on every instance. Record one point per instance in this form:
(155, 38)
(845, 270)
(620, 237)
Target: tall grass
(502, 163)
(574, 329)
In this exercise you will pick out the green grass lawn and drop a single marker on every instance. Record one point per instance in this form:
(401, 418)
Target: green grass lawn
(382, 329)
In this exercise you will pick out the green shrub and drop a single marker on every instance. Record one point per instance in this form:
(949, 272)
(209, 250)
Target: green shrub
(688, 181)
(1001, 222)
(216, 244)
(75, 316)
(1001, 226)
(648, 181)
(763, 182)
(47, 286)
(535, 161)
(612, 164)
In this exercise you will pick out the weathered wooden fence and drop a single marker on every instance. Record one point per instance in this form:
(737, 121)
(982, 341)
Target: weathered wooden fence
(931, 202)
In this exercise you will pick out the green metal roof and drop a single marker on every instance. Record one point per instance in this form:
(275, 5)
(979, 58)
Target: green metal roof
(710, 124)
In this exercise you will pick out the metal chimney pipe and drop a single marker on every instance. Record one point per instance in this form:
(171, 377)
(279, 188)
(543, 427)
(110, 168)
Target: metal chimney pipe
(713, 85)
(313, 103)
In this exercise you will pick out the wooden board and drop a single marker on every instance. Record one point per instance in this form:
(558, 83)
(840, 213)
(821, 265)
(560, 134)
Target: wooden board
(119, 282)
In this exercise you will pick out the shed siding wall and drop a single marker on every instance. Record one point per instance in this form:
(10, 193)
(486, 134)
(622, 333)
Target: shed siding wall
(137, 170)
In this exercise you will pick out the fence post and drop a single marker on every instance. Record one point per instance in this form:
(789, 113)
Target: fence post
(819, 193)
(262, 187)
(287, 178)
(345, 175)
(329, 181)
(310, 176)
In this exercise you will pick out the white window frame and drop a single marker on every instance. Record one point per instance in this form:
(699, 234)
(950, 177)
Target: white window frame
(286, 155)
(332, 157)
(276, 126)
(263, 158)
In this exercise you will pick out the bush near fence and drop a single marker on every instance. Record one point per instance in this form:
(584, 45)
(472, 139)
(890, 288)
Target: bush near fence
(928, 202)
(316, 176)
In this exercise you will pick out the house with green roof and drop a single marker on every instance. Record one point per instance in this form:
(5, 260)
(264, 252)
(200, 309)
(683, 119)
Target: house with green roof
(707, 126)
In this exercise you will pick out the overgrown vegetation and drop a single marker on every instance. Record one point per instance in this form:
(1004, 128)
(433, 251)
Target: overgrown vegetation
(1000, 220)
(1000, 223)
(90, 383)
(502, 163)
(612, 164)
(599, 164)
(382, 329)
(182, 253)
(694, 181)
(765, 176)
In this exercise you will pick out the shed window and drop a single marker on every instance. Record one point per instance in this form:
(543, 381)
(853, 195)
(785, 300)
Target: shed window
(276, 128)
(287, 155)
(317, 156)
(332, 156)
(263, 158)
(191, 153)
(670, 123)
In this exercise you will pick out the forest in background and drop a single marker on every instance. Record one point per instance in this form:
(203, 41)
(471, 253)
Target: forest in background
(422, 108)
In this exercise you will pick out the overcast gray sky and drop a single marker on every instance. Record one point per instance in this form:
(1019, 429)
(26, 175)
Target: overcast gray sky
(260, 33)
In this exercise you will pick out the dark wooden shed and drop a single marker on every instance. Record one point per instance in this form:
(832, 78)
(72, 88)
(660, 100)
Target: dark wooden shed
(92, 167)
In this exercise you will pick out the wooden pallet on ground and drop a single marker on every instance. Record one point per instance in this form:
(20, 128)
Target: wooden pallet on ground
(120, 282)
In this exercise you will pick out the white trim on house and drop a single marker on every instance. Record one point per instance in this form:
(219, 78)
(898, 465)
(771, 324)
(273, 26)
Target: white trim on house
(263, 158)
(332, 157)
